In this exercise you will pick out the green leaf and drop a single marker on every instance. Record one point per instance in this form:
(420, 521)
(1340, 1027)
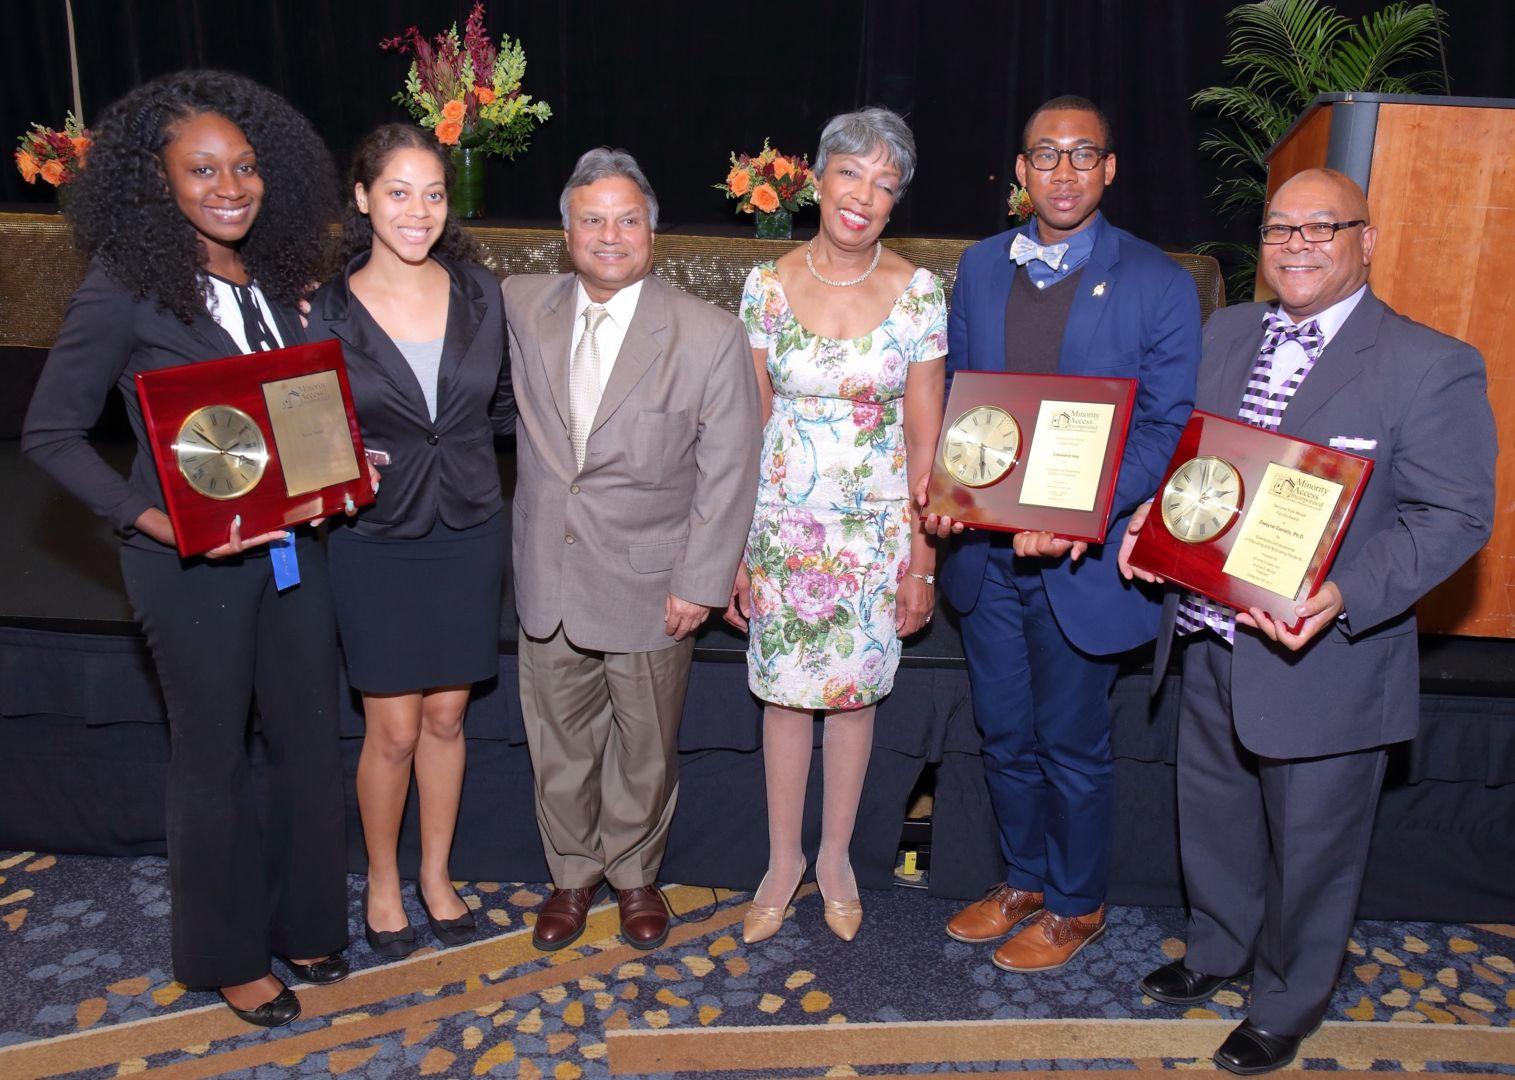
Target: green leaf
(1282, 53)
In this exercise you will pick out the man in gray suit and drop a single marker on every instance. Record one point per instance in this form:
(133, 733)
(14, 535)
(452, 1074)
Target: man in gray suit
(637, 461)
(1283, 737)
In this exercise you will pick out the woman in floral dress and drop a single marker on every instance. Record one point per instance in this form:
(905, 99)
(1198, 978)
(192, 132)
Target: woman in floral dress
(849, 341)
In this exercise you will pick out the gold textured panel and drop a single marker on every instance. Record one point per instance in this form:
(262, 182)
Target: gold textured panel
(39, 269)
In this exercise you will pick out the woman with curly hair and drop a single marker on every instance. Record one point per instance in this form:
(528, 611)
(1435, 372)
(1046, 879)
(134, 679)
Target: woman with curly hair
(203, 212)
(417, 577)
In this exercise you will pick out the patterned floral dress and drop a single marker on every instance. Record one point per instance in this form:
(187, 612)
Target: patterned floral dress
(831, 537)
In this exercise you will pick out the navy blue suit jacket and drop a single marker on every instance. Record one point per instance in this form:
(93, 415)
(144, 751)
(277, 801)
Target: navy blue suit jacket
(1136, 316)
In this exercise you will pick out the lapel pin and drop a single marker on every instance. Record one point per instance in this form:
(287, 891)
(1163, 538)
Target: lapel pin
(1099, 290)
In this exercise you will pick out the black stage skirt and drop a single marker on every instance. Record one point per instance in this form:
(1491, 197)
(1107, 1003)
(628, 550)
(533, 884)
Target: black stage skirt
(416, 614)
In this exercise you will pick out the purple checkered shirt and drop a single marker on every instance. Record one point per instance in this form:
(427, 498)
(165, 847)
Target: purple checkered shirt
(1262, 405)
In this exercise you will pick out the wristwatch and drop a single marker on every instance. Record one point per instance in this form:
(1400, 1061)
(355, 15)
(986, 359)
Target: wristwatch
(929, 579)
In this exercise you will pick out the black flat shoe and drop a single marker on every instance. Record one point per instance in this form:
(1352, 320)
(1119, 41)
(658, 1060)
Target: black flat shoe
(271, 1014)
(331, 969)
(448, 931)
(1178, 984)
(388, 944)
(1249, 1050)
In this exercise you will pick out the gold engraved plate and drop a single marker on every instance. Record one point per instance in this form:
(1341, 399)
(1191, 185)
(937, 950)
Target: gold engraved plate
(981, 446)
(221, 451)
(1282, 530)
(310, 430)
(1067, 454)
(1201, 499)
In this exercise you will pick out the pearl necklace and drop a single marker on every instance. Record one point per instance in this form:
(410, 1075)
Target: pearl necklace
(878, 251)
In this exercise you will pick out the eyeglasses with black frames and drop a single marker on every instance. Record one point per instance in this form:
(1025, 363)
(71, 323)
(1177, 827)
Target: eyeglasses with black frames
(1082, 158)
(1314, 232)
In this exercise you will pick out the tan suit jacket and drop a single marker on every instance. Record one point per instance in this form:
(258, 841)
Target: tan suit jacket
(666, 495)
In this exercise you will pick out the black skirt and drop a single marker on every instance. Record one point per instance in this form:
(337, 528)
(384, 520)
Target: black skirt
(416, 614)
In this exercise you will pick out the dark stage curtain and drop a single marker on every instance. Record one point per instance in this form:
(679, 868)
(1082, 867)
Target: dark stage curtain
(681, 84)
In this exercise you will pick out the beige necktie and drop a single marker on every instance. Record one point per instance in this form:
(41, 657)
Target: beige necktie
(584, 382)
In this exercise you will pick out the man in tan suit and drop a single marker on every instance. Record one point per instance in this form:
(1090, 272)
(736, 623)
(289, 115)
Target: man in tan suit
(637, 462)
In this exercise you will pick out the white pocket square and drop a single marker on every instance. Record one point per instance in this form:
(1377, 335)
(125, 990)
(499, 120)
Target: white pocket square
(1352, 443)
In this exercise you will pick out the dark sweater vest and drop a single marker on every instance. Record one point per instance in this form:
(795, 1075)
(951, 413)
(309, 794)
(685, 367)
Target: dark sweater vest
(1035, 320)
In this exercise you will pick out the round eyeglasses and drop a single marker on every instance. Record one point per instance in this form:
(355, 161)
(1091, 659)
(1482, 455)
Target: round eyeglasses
(1314, 232)
(1082, 158)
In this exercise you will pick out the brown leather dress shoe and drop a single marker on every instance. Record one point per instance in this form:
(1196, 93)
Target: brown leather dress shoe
(562, 918)
(1002, 909)
(644, 916)
(1050, 941)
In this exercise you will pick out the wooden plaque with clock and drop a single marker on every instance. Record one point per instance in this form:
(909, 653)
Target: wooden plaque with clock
(1250, 517)
(270, 436)
(1032, 452)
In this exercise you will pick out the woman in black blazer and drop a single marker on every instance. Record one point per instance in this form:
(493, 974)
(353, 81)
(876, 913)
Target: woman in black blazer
(418, 575)
(203, 210)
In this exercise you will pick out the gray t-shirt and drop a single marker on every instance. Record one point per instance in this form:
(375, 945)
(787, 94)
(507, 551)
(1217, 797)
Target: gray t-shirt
(425, 360)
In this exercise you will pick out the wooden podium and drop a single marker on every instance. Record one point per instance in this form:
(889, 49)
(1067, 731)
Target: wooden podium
(1440, 178)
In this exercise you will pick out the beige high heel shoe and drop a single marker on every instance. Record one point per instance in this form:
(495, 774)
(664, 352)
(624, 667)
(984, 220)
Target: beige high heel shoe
(761, 921)
(843, 916)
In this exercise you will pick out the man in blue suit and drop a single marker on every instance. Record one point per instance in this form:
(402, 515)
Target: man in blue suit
(1043, 618)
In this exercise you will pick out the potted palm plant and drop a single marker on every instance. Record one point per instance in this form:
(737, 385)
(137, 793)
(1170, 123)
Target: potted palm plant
(1284, 53)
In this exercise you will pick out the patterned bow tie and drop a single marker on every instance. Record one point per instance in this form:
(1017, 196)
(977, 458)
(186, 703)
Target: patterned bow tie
(1023, 249)
(1276, 331)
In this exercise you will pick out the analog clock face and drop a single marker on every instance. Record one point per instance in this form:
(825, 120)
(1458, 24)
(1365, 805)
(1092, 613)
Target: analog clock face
(221, 451)
(982, 445)
(1201, 499)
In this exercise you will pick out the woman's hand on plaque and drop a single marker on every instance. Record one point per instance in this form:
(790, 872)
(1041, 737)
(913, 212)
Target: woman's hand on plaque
(236, 544)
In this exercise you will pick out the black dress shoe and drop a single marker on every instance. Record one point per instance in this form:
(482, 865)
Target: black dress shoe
(448, 931)
(331, 969)
(388, 944)
(1249, 1050)
(271, 1014)
(1178, 984)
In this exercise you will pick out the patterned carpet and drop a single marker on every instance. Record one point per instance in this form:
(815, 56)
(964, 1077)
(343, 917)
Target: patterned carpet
(83, 959)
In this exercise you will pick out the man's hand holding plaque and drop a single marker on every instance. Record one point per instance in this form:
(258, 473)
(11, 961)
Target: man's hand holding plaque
(1036, 455)
(1250, 518)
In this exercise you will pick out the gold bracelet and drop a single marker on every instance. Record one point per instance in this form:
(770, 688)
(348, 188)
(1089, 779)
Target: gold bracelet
(929, 579)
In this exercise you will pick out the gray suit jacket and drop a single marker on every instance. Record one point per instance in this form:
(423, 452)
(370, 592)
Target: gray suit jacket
(666, 495)
(1421, 399)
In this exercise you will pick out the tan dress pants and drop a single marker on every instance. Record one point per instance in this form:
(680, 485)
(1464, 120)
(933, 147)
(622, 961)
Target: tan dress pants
(603, 733)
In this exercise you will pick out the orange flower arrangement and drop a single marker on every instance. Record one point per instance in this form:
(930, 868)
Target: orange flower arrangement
(55, 156)
(769, 181)
(467, 89)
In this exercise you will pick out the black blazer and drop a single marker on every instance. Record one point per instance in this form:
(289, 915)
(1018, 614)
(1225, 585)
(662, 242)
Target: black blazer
(108, 335)
(443, 469)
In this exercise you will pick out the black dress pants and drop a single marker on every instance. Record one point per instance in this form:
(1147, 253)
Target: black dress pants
(250, 876)
(1273, 851)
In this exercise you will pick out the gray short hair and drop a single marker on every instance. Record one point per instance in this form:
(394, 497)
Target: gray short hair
(601, 162)
(862, 133)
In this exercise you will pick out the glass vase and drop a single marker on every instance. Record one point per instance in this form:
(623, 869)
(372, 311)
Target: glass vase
(778, 225)
(467, 194)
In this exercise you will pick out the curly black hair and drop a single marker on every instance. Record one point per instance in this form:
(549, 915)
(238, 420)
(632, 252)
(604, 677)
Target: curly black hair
(124, 215)
(368, 161)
